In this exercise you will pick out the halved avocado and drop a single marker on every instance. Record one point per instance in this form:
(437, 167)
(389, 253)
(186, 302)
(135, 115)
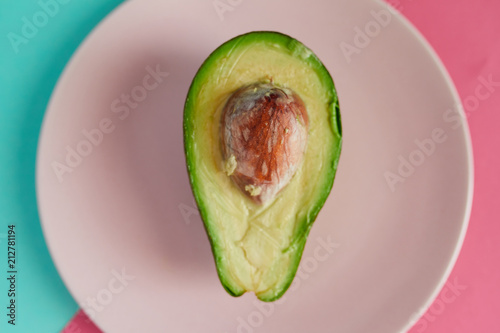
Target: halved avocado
(257, 245)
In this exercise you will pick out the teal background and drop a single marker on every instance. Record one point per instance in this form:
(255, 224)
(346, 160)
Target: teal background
(27, 79)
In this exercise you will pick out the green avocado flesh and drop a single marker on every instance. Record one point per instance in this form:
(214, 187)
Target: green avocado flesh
(257, 247)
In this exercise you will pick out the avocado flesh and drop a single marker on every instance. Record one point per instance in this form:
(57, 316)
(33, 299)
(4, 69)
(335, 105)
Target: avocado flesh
(258, 247)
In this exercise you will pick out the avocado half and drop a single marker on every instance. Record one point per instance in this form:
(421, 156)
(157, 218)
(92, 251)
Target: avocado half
(257, 246)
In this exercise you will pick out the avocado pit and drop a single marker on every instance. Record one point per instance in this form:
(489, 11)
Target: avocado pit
(264, 131)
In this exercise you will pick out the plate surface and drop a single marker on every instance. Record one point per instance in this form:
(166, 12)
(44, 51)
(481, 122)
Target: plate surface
(118, 213)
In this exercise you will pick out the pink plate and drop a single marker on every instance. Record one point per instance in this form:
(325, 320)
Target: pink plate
(115, 201)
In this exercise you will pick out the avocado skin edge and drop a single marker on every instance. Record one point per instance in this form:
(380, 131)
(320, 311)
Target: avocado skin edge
(297, 49)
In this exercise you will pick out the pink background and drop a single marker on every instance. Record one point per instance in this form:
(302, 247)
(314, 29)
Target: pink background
(466, 35)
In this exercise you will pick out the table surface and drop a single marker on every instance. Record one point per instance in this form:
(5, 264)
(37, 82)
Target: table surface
(464, 33)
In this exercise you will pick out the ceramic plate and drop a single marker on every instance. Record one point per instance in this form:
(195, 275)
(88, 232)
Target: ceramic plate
(117, 209)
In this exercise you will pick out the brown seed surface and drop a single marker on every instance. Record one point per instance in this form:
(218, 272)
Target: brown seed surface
(263, 138)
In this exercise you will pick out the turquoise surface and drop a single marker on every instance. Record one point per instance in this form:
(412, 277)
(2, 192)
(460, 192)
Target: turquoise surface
(37, 38)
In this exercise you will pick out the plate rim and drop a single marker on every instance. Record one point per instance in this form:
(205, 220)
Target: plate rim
(425, 44)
